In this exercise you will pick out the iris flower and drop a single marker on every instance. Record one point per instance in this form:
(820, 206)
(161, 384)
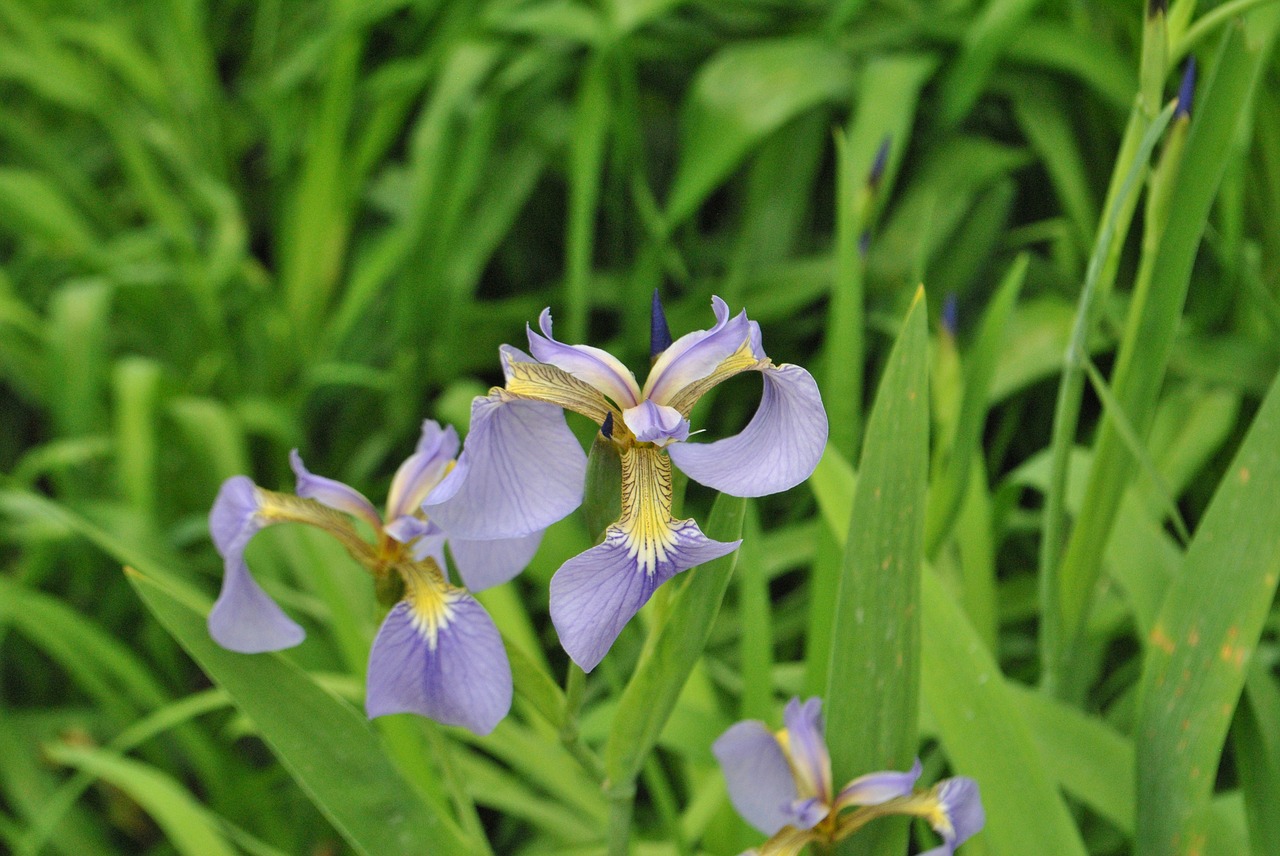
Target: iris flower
(528, 468)
(437, 652)
(781, 784)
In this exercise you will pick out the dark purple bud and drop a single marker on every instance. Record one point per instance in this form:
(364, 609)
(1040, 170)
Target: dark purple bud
(950, 313)
(606, 427)
(878, 165)
(659, 332)
(864, 243)
(1187, 90)
(1157, 7)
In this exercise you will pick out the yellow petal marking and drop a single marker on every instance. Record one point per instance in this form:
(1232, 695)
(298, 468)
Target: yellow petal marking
(646, 505)
(430, 598)
(543, 382)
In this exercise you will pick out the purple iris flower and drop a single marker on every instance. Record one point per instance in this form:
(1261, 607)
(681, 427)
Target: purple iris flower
(780, 782)
(437, 653)
(529, 468)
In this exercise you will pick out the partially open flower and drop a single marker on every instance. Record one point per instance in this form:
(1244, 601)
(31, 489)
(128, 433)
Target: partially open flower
(780, 782)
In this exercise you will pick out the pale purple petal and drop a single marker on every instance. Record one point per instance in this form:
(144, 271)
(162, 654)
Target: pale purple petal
(962, 806)
(406, 529)
(335, 494)
(430, 546)
(591, 365)
(244, 618)
(777, 450)
(464, 679)
(656, 423)
(756, 771)
(423, 470)
(695, 355)
(595, 593)
(807, 813)
(877, 788)
(808, 748)
(482, 564)
(525, 471)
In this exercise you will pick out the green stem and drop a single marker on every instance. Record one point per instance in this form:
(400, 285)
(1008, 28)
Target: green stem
(622, 798)
(463, 804)
(1131, 164)
(575, 685)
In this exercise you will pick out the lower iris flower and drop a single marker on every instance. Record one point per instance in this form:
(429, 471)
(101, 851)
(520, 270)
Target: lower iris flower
(780, 782)
(437, 653)
(528, 468)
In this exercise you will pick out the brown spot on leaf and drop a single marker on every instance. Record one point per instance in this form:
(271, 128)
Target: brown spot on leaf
(1161, 639)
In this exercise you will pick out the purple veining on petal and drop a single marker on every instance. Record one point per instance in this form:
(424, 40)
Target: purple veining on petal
(482, 564)
(656, 423)
(594, 594)
(244, 618)
(423, 470)
(777, 450)
(591, 365)
(877, 788)
(695, 355)
(334, 494)
(465, 680)
(808, 748)
(757, 774)
(525, 471)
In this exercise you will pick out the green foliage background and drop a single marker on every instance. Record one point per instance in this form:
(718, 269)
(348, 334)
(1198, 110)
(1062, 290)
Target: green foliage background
(228, 229)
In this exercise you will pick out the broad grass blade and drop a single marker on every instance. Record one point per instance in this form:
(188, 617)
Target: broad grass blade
(873, 678)
(1202, 641)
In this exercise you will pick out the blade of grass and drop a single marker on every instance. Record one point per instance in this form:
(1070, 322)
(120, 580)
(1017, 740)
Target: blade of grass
(873, 680)
(1202, 641)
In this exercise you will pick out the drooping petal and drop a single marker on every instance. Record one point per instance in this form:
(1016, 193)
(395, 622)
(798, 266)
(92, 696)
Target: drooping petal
(423, 470)
(334, 494)
(656, 423)
(595, 593)
(482, 564)
(757, 774)
(777, 450)
(807, 747)
(696, 355)
(440, 656)
(959, 814)
(591, 365)
(877, 788)
(525, 471)
(244, 618)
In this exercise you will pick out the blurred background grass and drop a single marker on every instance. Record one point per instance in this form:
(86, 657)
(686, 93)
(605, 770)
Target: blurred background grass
(228, 229)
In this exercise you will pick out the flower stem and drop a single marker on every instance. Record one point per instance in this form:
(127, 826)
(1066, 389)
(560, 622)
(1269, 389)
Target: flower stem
(575, 685)
(622, 798)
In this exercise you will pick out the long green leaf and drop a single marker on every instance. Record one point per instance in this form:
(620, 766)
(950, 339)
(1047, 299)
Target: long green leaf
(1203, 639)
(873, 679)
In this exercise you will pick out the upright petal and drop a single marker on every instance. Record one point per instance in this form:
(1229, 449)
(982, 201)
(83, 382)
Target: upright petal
(590, 365)
(696, 355)
(439, 655)
(757, 774)
(535, 381)
(244, 618)
(777, 450)
(422, 470)
(525, 470)
(482, 564)
(877, 788)
(595, 593)
(334, 494)
(807, 748)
